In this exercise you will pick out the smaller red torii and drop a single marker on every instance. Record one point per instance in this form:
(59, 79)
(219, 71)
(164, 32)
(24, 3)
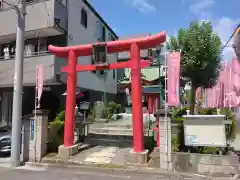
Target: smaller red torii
(135, 64)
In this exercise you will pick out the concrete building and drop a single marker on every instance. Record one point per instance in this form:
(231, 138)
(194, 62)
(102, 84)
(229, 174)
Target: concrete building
(60, 23)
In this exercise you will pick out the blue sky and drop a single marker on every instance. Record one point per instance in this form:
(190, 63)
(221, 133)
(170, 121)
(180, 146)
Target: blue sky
(137, 17)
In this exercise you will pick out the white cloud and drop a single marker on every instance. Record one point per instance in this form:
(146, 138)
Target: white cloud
(224, 27)
(143, 6)
(200, 5)
(199, 8)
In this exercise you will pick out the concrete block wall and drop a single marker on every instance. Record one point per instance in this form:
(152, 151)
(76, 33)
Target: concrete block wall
(206, 163)
(165, 143)
(35, 136)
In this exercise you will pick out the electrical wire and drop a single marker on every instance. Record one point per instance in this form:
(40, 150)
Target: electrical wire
(11, 5)
(226, 44)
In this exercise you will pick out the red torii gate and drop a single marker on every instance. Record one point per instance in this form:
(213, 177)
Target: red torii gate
(134, 46)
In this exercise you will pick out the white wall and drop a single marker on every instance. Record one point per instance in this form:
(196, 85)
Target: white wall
(78, 34)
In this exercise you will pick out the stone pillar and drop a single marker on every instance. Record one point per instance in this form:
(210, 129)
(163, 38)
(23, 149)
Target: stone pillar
(162, 156)
(165, 149)
(35, 136)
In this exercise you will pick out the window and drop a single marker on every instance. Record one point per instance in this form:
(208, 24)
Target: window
(114, 73)
(111, 37)
(100, 31)
(150, 53)
(103, 33)
(42, 45)
(84, 18)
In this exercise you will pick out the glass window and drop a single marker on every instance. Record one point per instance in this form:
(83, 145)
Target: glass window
(42, 45)
(84, 18)
(103, 37)
(114, 73)
(100, 31)
(111, 37)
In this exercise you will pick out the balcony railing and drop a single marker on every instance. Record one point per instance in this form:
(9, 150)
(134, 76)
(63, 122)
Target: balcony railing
(26, 55)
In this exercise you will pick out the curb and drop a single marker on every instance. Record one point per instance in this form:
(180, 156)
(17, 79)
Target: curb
(114, 168)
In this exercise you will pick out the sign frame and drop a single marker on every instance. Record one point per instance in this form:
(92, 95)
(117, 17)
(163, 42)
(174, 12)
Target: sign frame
(198, 130)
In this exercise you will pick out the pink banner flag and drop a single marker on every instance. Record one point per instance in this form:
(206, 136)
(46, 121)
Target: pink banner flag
(39, 83)
(173, 78)
(236, 66)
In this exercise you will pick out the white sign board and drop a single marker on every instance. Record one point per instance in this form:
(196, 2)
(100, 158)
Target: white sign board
(204, 130)
(84, 105)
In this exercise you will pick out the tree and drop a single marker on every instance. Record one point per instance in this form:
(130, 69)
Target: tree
(200, 55)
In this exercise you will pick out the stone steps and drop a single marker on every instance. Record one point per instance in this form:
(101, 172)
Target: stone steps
(112, 133)
(107, 139)
(116, 131)
(112, 136)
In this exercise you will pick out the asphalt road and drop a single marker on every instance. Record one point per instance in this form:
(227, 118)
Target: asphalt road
(26, 173)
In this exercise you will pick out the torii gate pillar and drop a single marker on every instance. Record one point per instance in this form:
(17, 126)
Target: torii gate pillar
(135, 64)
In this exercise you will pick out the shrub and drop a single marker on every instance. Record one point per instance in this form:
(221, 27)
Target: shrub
(91, 113)
(60, 117)
(208, 111)
(112, 108)
(229, 115)
(208, 150)
(56, 132)
(178, 113)
(175, 143)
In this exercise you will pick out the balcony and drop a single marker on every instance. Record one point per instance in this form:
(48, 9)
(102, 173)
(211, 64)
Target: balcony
(35, 53)
(51, 70)
(44, 18)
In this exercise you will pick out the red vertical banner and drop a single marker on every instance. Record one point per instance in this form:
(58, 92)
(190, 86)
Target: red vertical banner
(173, 78)
(39, 84)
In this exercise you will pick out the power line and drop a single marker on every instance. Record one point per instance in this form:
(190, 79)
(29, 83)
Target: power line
(226, 44)
(11, 5)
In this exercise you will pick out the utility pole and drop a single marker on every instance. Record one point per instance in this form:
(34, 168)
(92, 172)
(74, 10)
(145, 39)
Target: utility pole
(18, 86)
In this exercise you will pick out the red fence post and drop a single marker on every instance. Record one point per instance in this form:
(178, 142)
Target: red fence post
(71, 100)
(137, 115)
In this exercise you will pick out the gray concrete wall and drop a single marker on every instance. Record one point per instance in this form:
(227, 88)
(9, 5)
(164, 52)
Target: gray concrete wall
(40, 15)
(205, 163)
(78, 34)
(30, 63)
(35, 136)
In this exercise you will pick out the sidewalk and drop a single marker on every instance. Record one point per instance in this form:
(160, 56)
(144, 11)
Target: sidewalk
(111, 168)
